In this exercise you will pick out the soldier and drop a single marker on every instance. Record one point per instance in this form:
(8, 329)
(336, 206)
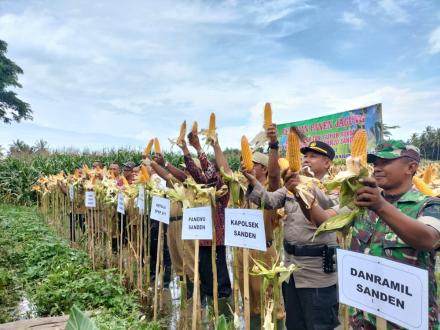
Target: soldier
(310, 296)
(402, 224)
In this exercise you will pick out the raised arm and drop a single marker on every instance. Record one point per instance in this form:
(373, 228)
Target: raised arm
(174, 171)
(191, 167)
(415, 233)
(258, 195)
(220, 158)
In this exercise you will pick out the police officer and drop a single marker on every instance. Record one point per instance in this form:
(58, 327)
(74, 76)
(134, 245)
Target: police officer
(310, 296)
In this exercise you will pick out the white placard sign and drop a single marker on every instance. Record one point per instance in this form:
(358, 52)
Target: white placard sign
(197, 223)
(391, 290)
(71, 192)
(245, 228)
(121, 206)
(160, 209)
(90, 199)
(141, 200)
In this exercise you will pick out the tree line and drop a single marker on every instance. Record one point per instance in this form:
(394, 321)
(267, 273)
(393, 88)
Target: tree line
(428, 142)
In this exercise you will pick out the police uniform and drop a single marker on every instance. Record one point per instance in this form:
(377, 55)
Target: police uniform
(310, 295)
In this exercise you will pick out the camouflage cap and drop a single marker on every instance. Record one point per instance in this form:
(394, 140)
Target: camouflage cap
(393, 149)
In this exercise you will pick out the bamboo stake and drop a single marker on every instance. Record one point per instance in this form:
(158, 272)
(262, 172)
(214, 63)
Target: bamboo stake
(158, 257)
(214, 261)
(183, 290)
(92, 224)
(236, 285)
(121, 247)
(247, 316)
(148, 240)
(381, 324)
(196, 298)
(139, 251)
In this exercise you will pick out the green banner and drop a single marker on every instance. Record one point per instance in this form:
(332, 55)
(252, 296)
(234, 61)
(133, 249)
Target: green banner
(338, 129)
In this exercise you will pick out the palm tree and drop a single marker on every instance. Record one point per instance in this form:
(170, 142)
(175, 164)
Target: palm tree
(386, 129)
(41, 147)
(19, 147)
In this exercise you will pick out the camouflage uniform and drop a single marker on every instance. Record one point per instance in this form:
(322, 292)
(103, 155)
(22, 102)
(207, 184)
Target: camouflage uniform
(371, 235)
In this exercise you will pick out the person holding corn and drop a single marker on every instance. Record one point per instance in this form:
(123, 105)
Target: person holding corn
(208, 174)
(402, 223)
(310, 295)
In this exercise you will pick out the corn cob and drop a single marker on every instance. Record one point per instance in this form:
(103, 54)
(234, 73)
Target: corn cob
(144, 175)
(157, 146)
(246, 154)
(283, 163)
(427, 175)
(211, 127)
(267, 115)
(195, 128)
(422, 186)
(182, 133)
(147, 150)
(359, 145)
(124, 181)
(293, 153)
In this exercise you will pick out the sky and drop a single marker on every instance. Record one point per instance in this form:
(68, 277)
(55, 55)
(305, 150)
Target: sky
(109, 74)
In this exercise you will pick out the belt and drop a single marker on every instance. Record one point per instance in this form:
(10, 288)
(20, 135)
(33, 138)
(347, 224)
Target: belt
(305, 250)
(177, 218)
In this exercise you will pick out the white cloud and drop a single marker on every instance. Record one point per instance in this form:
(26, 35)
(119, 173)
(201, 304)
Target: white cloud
(353, 20)
(392, 9)
(395, 10)
(434, 41)
(110, 73)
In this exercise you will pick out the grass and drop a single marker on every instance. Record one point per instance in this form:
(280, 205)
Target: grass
(55, 277)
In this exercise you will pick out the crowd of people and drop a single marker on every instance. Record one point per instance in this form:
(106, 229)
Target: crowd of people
(401, 224)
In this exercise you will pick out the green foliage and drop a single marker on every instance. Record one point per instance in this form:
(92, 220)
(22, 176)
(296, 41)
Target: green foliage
(79, 321)
(428, 142)
(55, 277)
(9, 296)
(19, 173)
(11, 107)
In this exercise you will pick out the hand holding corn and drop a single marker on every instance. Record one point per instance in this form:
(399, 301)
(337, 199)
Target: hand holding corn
(271, 133)
(369, 195)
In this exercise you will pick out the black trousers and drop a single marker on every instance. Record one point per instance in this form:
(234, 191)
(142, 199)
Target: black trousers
(205, 271)
(310, 308)
(76, 220)
(153, 253)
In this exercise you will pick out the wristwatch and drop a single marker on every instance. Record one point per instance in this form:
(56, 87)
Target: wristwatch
(274, 145)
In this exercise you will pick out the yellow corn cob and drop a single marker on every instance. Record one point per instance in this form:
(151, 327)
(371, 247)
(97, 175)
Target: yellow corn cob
(195, 128)
(124, 181)
(182, 133)
(293, 151)
(144, 175)
(422, 186)
(147, 150)
(211, 128)
(246, 154)
(427, 175)
(267, 115)
(359, 145)
(157, 146)
(283, 163)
